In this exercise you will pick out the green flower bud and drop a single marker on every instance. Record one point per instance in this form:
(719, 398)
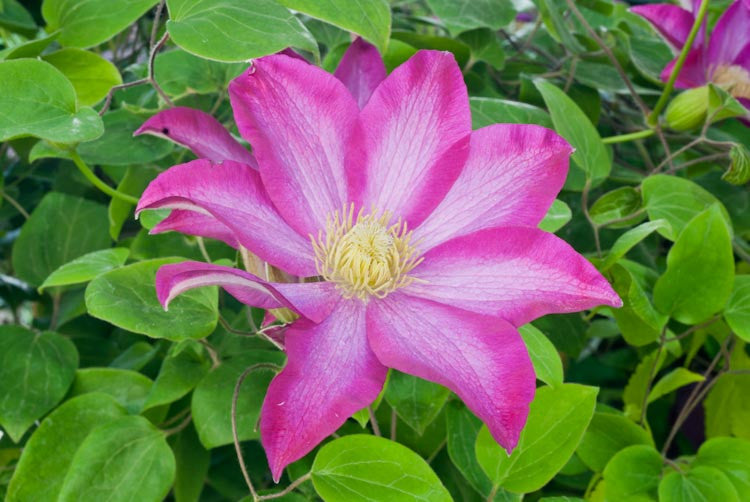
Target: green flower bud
(739, 165)
(688, 110)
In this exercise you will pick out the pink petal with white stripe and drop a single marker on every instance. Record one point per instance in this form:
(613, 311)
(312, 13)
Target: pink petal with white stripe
(511, 178)
(673, 22)
(233, 194)
(313, 300)
(480, 358)
(330, 374)
(411, 139)
(298, 118)
(361, 70)
(517, 273)
(198, 131)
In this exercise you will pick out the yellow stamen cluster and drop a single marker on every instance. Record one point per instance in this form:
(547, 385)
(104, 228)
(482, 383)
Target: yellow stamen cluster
(735, 79)
(363, 254)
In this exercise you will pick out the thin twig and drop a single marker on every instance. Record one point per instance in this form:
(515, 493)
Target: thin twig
(155, 26)
(394, 424)
(373, 421)
(13, 202)
(288, 489)
(653, 372)
(179, 427)
(111, 93)
(151, 59)
(585, 208)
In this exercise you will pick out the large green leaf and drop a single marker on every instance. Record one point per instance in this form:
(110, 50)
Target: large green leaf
(700, 270)
(123, 460)
(67, 226)
(462, 15)
(14, 17)
(92, 76)
(557, 420)
(730, 456)
(180, 73)
(359, 467)
(212, 398)
(544, 356)
(37, 100)
(633, 474)
(676, 200)
(86, 267)
(699, 484)
(36, 370)
(417, 402)
(128, 388)
(606, 435)
(591, 155)
(118, 146)
(727, 407)
(235, 30)
(182, 369)
(737, 312)
(488, 111)
(369, 18)
(126, 297)
(49, 452)
(86, 23)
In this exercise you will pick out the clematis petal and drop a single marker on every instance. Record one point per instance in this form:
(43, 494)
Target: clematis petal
(481, 358)
(198, 131)
(673, 22)
(510, 178)
(313, 300)
(517, 273)
(411, 139)
(693, 72)
(298, 118)
(361, 70)
(233, 194)
(192, 223)
(730, 35)
(330, 374)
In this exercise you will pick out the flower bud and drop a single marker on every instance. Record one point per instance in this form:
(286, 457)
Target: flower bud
(688, 110)
(739, 165)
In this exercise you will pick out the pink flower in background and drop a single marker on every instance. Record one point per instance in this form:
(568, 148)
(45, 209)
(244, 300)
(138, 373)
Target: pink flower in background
(420, 236)
(723, 59)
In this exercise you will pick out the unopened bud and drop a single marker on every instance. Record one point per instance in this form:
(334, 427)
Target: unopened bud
(739, 166)
(688, 110)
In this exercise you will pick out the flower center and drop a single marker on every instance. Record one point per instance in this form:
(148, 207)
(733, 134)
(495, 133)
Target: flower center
(735, 79)
(363, 255)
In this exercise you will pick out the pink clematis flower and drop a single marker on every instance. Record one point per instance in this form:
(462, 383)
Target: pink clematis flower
(417, 237)
(723, 60)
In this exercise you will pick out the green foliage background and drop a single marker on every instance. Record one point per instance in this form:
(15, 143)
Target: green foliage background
(104, 396)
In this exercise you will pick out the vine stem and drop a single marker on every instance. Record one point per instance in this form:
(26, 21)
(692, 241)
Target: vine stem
(294, 484)
(89, 174)
(235, 436)
(622, 138)
(653, 117)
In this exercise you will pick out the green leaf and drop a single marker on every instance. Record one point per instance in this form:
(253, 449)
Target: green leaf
(37, 100)
(126, 297)
(212, 398)
(192, 462)
(182, 369)
(639, 323)
(485, 46)
(544, 356)
(700, 484)
(679, 377)
(727, 407)
(118, 146)
(620, 204)
(14, 17)
(462, 429)
(128, 388)
(631, 238)
(676, 200)
(488, 111)
(591, 155)
(123, 460)
(36, 370)
(729, 455)
(235, 30)
(68, 226)
(700, 270)
(558, 417)
(460, 50)
(737, 313)
(633, 474)
(180, 73)
(360, 467)
(417, 402)
(462, 15)
(136, 356)
(369, 18)
(30, 49)
(650, 56)
(92, 76)
(136, 179)
(86, 23)
(606, 435)
(557, 216)
(86, 267)
(47, 455)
